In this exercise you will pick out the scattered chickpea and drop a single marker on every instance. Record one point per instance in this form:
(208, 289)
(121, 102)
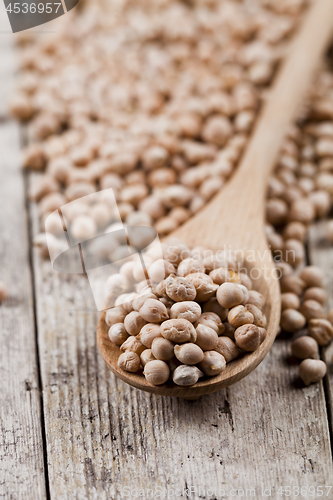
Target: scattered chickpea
(321, 330)
(312, 370)
(292, 320)
(312, 276)
(312, 309)
(3, 291)
(305, 347)
(315, 293)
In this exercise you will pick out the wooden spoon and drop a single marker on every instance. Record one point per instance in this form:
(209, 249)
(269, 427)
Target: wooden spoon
(235, 217)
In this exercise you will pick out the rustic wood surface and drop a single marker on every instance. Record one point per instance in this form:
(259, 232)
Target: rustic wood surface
(321, 254)
(101, 435)
(21, 441)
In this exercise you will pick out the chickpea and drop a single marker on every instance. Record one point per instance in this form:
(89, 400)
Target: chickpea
(118, 334)
(315, 293)
(259, 319)
(156, 372)
(189, 354)
(180, 289)
(204, 286)
(115, 315)
(3, 291)
(289, 301)
(256, 299)
(146, 356)
(220, 275)
(294, 252)
(292, 320)
(247, 337)
(213, 306)
(312, 370)
(213, 363)
(129, 361)
(229, 295)
(207, 338)
(239, 316)
(132, 344)
(321, 330)
(292, 283)
(178, 331)
(330, 316)
(185, 310)
(229, 331)
(212, 320)
(176, 253)
(153, 311)
(189, 266)
(246, 281)
(186, 375)
(305, 347)
(148, 333)
(134, 322)
(141, 299)
(160, 269)
(227, 348)
(162, 349)
(313, 276)
(295, 231)
(312, 309)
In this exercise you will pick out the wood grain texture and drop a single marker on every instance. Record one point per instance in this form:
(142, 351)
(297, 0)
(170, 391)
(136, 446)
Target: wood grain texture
(321, 254)
(21, 446)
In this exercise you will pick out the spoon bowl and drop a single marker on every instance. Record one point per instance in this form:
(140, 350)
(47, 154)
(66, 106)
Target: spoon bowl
(234, 219)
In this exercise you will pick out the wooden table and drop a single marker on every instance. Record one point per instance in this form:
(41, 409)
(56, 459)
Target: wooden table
(70, 430)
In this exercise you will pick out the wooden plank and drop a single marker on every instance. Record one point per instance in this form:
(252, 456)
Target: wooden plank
(104, 436)
(321, 254)
(21, 444)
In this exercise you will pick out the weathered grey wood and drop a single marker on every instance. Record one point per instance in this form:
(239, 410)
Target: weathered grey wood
(321, 254)
(103, 436)
(21, 446)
